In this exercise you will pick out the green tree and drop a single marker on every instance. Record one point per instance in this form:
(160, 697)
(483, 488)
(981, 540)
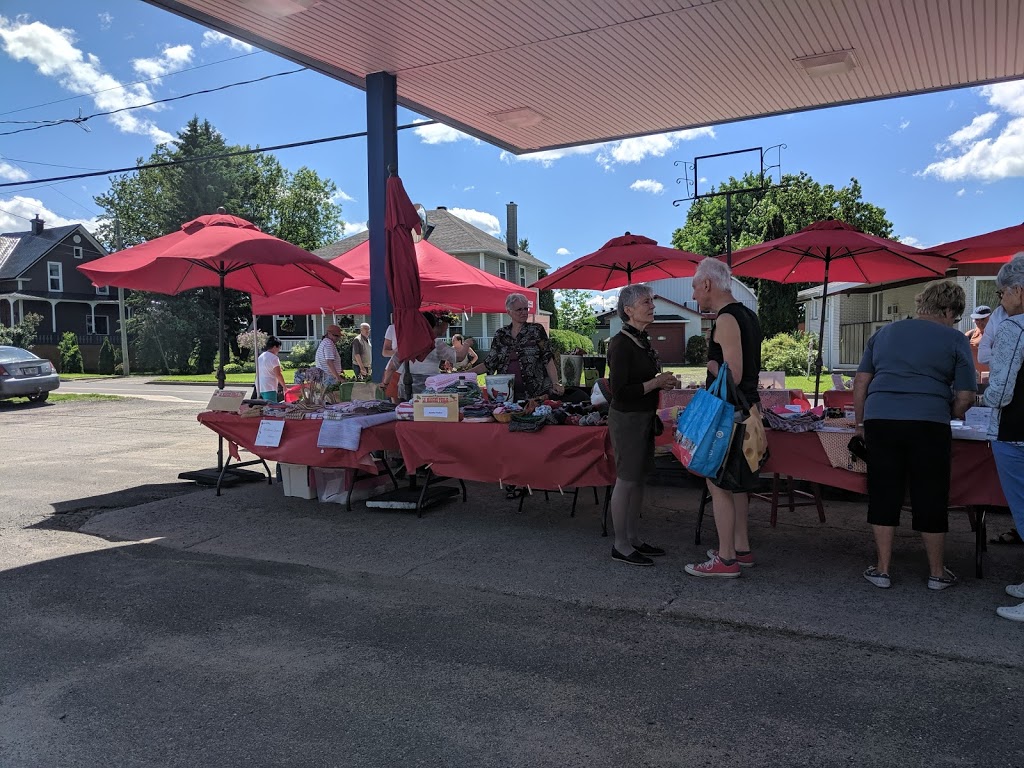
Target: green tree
(70, 354)
(766, 215)
(575, 313)
(297, 207)
(546, 300)
(106, 358)
(23, 334)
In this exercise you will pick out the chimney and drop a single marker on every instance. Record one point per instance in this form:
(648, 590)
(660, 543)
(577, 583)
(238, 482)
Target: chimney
(512, 229)
(37, 225)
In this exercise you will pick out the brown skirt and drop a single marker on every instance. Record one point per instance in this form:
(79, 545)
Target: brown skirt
(632, 434)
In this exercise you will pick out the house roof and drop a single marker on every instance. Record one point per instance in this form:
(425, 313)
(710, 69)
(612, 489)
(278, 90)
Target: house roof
(20, 250)
(451, 234)
(536, 74)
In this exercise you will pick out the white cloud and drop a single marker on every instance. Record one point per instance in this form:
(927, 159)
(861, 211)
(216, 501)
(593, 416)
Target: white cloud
(354, 227)
(171, 59)
(481, 219)
(10, 172)
(27, 208)
(439, 133)
(602, 302)
(216, 38)
(982, 157)
(470, 187)
(105, 20)
(342, 197)
(960, 192)
(647, 185)
(979, 126)
(53, 53)
(910, 240)
(610, 153)
(563, 252)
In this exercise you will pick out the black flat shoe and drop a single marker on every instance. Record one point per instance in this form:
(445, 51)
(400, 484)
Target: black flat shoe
(647, 549)
(634, 558)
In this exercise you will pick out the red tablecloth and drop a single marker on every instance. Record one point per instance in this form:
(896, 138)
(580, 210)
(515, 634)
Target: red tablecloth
(837, 398)
(555, 457)
(974, 480)
(298, 442)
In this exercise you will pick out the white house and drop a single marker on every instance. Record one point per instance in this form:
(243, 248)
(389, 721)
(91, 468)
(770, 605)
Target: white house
(854, 311)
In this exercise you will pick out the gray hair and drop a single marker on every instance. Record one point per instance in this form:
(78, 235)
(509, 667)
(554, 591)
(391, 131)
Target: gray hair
(515, 298)
(629, 296)
(1012, 272)
(940, 296)
(716, 272)
(364, 325)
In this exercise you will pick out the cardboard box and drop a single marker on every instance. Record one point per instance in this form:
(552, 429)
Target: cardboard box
(295, 481)
(335, 486)
(435, 407)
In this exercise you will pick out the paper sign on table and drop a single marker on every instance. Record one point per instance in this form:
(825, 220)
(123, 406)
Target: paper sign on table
(226, 400)
(336, 433)
(269, 434)
(977, 417)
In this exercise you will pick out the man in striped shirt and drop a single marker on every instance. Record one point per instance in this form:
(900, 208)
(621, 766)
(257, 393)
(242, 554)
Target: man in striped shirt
(327, 358)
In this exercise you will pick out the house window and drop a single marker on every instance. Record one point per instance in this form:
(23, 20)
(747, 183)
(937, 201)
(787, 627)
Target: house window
(814, 309)
(98, 325)
(876, 307)
(77, 251)
(985, 292)
(522, 276)
(102, 290)
(55, 271)
(503, 269)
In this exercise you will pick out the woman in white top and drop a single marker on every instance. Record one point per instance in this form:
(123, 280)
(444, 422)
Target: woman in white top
(268, 371)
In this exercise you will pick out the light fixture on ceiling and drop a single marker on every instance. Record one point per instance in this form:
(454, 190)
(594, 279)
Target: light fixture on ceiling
(518, 118)
(278, 9)
(827, 64)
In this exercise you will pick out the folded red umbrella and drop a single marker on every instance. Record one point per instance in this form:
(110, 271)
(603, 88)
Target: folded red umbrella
(414, 335)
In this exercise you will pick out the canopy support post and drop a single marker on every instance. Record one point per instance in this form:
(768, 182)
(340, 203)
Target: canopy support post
(381, 159)
(821, 331)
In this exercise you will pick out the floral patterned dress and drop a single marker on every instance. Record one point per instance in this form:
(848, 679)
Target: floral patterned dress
(526, 355)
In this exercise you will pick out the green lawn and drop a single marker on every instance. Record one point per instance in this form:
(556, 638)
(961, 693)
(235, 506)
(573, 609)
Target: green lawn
(56, 397)
(74, 376)
(806, 383)
(230, 378)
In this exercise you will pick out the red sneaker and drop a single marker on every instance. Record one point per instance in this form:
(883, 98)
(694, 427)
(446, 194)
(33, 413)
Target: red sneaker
(745, 561)
(714, 568)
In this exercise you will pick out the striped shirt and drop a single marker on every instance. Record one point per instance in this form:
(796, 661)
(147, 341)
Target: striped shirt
(327, 351)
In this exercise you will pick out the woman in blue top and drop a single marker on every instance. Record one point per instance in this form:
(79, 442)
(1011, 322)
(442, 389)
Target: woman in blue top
(914, 377)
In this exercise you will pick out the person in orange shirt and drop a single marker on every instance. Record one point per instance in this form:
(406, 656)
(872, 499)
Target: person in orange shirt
(980, 317)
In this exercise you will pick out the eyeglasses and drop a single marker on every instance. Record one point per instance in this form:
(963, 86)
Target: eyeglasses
(519, 309)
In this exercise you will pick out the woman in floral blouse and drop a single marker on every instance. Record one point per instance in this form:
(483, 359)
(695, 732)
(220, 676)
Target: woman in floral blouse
(522, 348)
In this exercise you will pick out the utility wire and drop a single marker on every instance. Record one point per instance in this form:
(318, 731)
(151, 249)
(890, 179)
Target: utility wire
(52, 165)
(128, 85)
(12, 213)
(183, 160)
(55, 189)
(82, 120)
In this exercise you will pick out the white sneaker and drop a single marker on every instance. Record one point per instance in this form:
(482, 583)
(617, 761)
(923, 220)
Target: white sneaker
(1013, 613)
(1015, 590)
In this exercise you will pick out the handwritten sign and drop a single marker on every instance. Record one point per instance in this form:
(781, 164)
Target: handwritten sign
(226, 400)
(269, 433)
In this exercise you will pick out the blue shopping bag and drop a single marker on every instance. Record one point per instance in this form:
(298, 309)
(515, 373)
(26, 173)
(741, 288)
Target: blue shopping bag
(705, 428)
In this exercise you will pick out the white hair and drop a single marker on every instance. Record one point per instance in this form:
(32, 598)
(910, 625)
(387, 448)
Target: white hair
(514, 299)
(364, 325)
(1012, 272)
(629, 296)
(716, 272)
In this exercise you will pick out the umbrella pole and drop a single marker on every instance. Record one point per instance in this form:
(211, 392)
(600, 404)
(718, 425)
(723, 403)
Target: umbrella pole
(821, 331)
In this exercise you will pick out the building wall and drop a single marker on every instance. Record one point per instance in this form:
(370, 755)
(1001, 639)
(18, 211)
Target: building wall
(74, 281)
(680, 290)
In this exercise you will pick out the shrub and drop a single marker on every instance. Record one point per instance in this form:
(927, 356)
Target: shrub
(697, 350)
(249, 367)
(106, 360)
(23, 334)
(787, 352)
(245, 344)
(288, 365)
(564, 342)
(119, 369)
(232, 368)
(70, 354)
(303, 353)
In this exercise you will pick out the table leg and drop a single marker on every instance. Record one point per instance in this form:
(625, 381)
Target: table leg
(980, 540)
(607, 503)
(575, 495)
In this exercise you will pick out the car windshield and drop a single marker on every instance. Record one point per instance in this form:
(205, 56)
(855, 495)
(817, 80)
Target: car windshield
(15, 355)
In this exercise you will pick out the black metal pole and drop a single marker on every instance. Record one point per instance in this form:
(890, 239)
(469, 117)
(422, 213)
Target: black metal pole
(728, 229)
(220, 333)
(821, 329)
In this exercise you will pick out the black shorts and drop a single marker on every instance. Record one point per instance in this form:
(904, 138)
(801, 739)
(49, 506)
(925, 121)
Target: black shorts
(914, 455)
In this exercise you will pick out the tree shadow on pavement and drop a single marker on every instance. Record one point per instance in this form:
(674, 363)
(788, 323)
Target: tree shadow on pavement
(73, 514)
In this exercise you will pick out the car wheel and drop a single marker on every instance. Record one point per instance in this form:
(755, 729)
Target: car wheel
(39, 397)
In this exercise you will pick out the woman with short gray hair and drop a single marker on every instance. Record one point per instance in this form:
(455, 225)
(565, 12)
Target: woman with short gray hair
(1005, 395)
(636, 379)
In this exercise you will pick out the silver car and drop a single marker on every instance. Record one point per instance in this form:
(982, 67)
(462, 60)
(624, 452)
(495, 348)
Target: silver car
(23, 374)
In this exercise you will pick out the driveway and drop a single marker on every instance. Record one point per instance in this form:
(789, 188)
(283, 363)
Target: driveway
(140, 387)
(173, 627)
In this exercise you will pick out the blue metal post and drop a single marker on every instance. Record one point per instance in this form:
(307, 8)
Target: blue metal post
(381, 152)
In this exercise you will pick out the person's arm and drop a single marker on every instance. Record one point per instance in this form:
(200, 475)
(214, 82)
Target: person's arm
(963, 401)
(276, 371)
(727, 334)
(620, 362)
(861, 382)
(965, 378)
(389, 347)
(1007, 354)
(988, 338)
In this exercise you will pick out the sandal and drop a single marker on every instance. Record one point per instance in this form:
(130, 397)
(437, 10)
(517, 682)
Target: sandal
(511, 492)
(1007, 537)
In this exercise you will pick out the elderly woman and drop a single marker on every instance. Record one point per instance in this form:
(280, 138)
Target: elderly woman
(915, 376)
(735, 339)
(522, 348)
(636, 379)
(1005, 395)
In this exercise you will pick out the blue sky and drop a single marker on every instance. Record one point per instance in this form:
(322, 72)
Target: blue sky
(944, 165)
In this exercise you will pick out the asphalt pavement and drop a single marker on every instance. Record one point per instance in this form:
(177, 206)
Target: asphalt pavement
(144, 622)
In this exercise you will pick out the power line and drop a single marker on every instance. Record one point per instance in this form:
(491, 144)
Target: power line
(55, 189)
(82, 120)
(52, 165)
(12, 213)
(128, 85)
(168, 163)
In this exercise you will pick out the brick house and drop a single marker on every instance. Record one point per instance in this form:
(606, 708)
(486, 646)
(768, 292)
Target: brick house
(38, 274)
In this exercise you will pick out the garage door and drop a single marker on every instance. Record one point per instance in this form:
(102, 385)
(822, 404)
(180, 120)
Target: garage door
(669, 339)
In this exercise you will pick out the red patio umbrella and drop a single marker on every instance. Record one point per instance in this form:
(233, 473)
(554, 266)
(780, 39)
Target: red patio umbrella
(214, 250)
(984, 254)
(834, 250)
(445, 283)
(414, 335)
(621, 261)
